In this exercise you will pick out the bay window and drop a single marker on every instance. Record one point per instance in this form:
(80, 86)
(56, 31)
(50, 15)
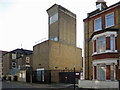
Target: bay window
(104, 44)
(101, 44)
(112, 43)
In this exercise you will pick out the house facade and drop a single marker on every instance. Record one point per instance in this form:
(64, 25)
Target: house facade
(101, 36)
(25, 66)
(16, 60)
(1, 61)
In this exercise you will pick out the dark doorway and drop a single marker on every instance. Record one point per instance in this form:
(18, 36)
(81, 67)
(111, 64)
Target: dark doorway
(15, 78)
(68, 77)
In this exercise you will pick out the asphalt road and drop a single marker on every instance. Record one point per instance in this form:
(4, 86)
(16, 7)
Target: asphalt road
(10, 85)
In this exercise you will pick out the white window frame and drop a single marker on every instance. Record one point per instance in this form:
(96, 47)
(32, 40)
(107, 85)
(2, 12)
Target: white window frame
(13, 56)
(27, 65)
(97, 44)
(112, 67)
(106, 20)
(114, 43)
(107, 34)
(13, 65)
(95, 25)
(93, 46)
(27, 59)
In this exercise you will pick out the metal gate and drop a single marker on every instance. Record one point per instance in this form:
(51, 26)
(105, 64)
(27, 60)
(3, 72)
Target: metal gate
(68, 77)
(41, 76)
(28, 73)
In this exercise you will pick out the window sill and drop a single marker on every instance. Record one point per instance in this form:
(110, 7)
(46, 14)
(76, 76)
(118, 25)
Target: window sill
(98, 30)
(109, 26)
(107, 51)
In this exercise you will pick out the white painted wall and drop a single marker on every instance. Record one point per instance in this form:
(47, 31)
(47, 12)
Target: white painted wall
(97, 84)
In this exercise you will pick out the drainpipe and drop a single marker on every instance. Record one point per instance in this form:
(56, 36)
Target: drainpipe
(88, 41)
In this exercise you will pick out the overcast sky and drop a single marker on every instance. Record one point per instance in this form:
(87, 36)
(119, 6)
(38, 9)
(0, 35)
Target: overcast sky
(24, 23)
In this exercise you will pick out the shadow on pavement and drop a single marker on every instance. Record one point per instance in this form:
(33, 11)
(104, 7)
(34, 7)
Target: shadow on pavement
(55, 89)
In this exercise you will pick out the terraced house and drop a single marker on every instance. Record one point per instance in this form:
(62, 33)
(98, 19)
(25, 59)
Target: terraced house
(102, 41)
(16, 61)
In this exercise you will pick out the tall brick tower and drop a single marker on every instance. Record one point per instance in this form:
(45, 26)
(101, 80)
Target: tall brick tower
(62, 25)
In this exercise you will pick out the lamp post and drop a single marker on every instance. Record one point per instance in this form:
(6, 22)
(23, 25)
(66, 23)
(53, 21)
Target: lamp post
(74, 76)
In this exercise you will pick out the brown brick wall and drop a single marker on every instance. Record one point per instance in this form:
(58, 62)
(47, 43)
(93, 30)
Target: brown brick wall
(116, 68)
(51, 54)
(41, 55)
(94, 45)
(105, 55)
(6, 64)
(67, 29)
(107, 72)
(62, 55)
(22, 60)
(95, 73)
(107, 43)
(90, 49)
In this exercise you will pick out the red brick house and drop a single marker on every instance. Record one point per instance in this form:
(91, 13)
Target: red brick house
(102, 38)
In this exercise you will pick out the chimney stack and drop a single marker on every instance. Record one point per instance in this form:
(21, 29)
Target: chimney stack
(101, 4)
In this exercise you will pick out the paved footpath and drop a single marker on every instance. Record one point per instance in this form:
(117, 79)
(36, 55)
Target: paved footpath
(12, 85)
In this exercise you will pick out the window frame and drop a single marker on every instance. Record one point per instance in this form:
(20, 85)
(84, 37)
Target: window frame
(97, 44)
(94, 45)
(106, 20)
(14, 64)
(55, 39)
(95, 25)
(14, 56)
(113, 43)
(53, 18)
(27, 59)
(106, 34)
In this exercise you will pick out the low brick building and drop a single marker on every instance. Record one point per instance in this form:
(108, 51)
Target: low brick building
(52, 55)
(59, 53)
